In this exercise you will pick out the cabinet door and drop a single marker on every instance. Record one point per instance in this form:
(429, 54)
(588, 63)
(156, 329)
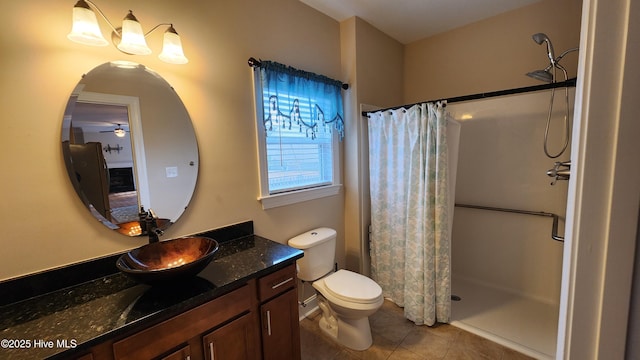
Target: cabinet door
(280, 327)
(183, 353)
(237, 340)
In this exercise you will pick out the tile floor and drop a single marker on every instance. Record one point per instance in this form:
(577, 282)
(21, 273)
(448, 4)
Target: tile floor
(396, 338)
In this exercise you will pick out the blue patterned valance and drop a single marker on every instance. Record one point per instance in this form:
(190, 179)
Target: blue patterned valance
(299, 99)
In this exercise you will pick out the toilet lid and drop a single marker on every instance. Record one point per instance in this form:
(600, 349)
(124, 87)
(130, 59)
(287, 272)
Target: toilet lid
(350, 286)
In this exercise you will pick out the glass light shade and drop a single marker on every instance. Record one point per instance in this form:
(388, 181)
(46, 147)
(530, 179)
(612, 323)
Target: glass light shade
(172, 48)
(85, 29)
(133, 41)
(119, 132)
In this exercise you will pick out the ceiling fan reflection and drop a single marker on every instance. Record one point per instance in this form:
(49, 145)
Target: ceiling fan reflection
(118, 131)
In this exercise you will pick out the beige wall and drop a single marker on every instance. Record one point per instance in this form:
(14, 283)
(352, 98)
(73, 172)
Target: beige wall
(492, 54)
(44, 224)
(373, 63)
(380, 61)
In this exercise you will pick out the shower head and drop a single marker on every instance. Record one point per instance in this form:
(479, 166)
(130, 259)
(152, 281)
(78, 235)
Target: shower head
(542, 75)
(539, 38)
(545, 75)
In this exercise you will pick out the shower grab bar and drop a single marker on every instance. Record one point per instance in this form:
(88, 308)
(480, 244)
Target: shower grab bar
(554, 226)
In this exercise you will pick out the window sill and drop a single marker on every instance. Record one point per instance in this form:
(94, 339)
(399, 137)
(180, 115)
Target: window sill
(272, 201)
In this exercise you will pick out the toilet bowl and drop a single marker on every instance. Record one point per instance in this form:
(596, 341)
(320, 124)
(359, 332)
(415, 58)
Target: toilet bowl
(349, 299)
(346, 298)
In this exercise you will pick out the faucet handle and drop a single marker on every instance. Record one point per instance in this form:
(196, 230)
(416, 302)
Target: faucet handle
(152, 226)
(560, 171)
(142, 219)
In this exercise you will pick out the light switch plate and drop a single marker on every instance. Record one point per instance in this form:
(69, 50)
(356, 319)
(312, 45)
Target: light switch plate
(172, 171)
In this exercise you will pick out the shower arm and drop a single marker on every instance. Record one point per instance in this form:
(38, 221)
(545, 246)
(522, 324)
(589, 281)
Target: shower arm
(565, 53)
(556, 62)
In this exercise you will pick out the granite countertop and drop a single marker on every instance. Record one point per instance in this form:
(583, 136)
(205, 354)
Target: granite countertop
(75, 318)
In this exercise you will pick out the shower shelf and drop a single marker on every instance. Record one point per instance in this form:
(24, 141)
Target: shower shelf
(554, 226)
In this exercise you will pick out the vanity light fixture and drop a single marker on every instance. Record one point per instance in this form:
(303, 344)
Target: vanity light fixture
(129, 38)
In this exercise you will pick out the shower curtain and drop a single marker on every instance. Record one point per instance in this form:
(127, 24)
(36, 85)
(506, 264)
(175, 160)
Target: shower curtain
(410, 242)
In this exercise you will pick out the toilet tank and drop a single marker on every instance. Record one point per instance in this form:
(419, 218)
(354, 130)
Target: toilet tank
(319, 246)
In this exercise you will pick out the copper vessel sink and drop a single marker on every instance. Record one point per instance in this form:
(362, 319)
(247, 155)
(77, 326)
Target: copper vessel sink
(168, 260)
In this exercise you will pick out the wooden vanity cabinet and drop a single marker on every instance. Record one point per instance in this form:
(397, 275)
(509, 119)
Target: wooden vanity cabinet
(257, 321)
(186, 328)
(279, 315)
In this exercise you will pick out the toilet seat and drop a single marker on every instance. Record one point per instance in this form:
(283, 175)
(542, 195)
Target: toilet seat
(353, 287)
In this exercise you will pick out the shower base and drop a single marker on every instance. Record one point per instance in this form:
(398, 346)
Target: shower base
(520, 323)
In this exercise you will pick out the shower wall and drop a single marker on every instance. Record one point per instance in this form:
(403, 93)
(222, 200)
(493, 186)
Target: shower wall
(502, 164)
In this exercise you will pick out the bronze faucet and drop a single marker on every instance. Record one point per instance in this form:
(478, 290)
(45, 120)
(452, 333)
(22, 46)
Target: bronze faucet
(151, 222)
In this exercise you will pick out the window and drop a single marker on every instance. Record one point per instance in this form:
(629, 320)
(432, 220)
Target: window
(299, 120)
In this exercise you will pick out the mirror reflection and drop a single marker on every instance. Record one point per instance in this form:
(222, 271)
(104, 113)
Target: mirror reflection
(128, 145)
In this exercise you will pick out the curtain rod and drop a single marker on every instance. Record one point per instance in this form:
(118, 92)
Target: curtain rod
(567, 83)
(253, 62)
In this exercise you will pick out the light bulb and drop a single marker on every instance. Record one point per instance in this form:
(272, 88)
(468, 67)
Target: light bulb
(85, 29)
(133, 41)
(172, 48)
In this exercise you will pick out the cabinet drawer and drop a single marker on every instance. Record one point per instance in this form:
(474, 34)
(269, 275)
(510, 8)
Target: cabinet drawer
(276, 283)
(159, 338)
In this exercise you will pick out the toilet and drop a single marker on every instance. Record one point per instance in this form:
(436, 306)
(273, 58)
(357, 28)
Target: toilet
(346, 298)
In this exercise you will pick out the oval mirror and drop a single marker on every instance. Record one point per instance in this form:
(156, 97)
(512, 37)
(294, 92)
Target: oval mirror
(128, 144)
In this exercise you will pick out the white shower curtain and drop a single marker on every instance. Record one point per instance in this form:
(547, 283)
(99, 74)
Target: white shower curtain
(410, 241)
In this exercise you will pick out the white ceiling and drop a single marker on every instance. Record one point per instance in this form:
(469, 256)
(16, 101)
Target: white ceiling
(100, 117)
(411, 20)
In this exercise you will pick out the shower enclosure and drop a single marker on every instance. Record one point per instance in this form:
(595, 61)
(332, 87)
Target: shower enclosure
(506, 268)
